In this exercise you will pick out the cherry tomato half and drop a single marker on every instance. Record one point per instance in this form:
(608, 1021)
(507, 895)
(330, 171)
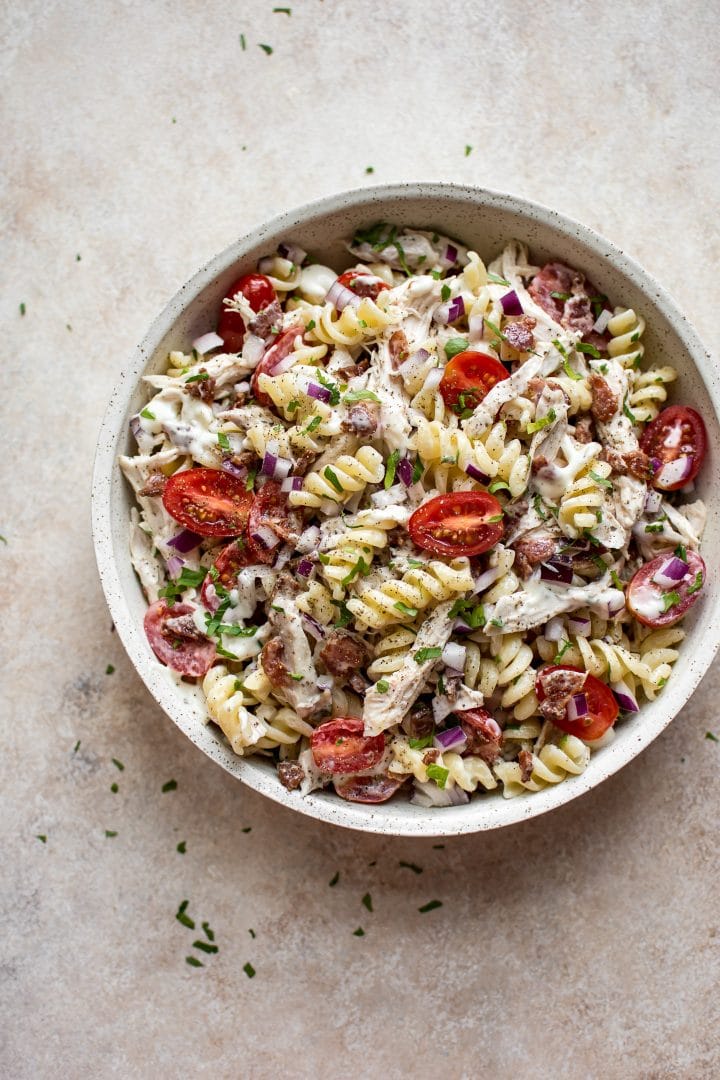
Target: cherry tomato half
(270, 510)
(676, 432)
(208, 502)
(663, 605)
(468, 377)
(281, 348)
(363, 284)
(258, 291)
(230, 561)
(602, 711)
(186, 655)
(339, 746)
(462, 523)
(367, 789)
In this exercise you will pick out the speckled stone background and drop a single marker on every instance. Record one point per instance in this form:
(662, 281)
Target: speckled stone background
(138, 140)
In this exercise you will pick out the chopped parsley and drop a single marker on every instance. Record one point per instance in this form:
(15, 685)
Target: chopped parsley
(296, 676)
(331, 475)
(697, 583)
(109, 669)
(584, 347)
(250, 482)
(538, 425)
(182, 916)
(411, 866)
(360, 567)
(713, 738)
(670, 599)
(472, 614)
(22, 309)
(169, 785)
(109, 833)
(331, 386)
(223, 440)
(114, 788)
(359, 932)
(390, 469)
(181, 848)
(193, 961)
(267, 49)
(200, 377)
(681, 552)
(627, 411)
(367, 901)
(293, 406)
(405, 610)
(147, 415)
(382, 686)
(496, 280)
(427, 654)
(204, 946)
(438, 774)
(430, 906)
(42, 838)
(418, 469)
(601, 480)
(499, 336)
(654, 527)
(437, 274)
(314, 423)
(334, 879)
(468, 152)
(369, 169)
(455, 345)
(569, 371)
(421, 743)
(445, 293)
(345, 615)
(360, 395)
(118, 764)
(559, 655)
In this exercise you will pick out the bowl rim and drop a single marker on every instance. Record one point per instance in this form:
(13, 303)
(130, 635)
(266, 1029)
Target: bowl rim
(319, 805)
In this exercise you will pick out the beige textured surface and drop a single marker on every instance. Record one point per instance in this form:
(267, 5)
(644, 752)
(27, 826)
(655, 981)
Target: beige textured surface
(583, 944)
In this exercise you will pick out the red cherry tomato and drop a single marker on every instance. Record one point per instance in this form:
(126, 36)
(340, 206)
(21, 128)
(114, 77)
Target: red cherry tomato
(186, 655)
(646, 599)
(463, 523)
(367, 789)
(468, 377)
(270, 510)
(208, 502)
(339, 746)
(677, 431)
(229, 562)
(602, 711)
(281, 348)
(363, 284)
(258, 292)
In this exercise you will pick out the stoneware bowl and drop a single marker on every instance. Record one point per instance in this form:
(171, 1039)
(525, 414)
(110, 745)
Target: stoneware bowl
(484, 221)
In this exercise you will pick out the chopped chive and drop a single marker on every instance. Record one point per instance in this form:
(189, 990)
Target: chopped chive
(110, 832)
(583, 347)
(243, 43)
(223, 440)
(445, 293)
(468, 151)
(496, 280)
(334, 879)
(331, 475)
(170, 785)
(411, 866)
(266, 49)
(411, 612)
(421, 743)
(193, 961)
(42, 838)
(367, 901)
(114, 788)
(360, 395)
(359, 932)
(204, 947)
(369, 169)
(390, 469)
(282, 11)
(697, 583)
(603, 481)
(147, 415)
(713, 738)
(314, 423)
(252, 933)
(181, 848)
(118, 764)
(430, 906)
(109, 669)
(438, 774)
(23, 309)
(249, 971)
(427, 654)
(248, 828)
(76, 747)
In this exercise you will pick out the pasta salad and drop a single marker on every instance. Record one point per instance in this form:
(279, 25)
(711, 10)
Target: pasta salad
(423, 525)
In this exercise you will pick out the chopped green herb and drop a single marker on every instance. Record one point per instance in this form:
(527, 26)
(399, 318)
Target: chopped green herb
(559, 346)
(169, 785)
(282, 11)
(538, 425)
(359, 932)
(561, 295)
(367, 901)
(437, 274)
(76, 747)
(292, 406)
(427, 654)
(311, 325)
(247, 829)
(603, 368)
(411, 612)
(421, 743)
(109, 669)
(654, 527)
(497, 280)
(118, 764)
(445, 293)
(109, 833)
(345, 617)
(468, 151)
(390, 469)
(200, 377)
(418, 469)
(584, 347)
(438, 774)
(626, 409)
(181, 848)
(538, 504)
(334, 879)
(455, 345)
(360, 568)
(250, 482)
(382, 686)
(575, 375)
(296, 676)
(114, 788)
(331, 386)
(411, 866)
(249, 970)
(223, 440)
(697, 583)
(616, 579)
(208, 931)
(252, 933)
(360, 395)
(498, 485)
(147, 415)
(314, 423)
(42, 838)
(182, 916)
(266, 49)
(601, 480)
(23, 309)
(681, 552)
(204, 946)
(193, 961)
(243, 43)
(713, 738)
(430, 906)
(669, 600)
(438, 846)
(369, 169)
(561, 652)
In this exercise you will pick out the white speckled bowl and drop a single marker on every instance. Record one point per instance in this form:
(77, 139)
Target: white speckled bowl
(483, 220)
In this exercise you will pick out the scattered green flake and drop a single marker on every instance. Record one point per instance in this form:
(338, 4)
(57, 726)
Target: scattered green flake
(345, 616)
(174, 120)
(282, 11)
(42, 838)
(670, 599)
(314, 423)
(68, 326)
(445, 293)
(204, 946)
(170, 785)
(367, 901)
(182, 916)
(561, 295)
(266, 49)
(382, 686)
(114, 788)
(437, 274)
(427, 654)
(147, 415)
(575, 375)
(713, 738)
(23, 309)
(430, 906)
(248, 828)
(418, 469)
(369, 169)
(681, 552)
(411, 866)
(360, 395)
(243, 43)
(455, 345)
(296, 676)
(496, 280)
(390, 469)
(200, 377)
(182, 847)
(361, 568)
(538, 425)
(438, 774)
(359, 932)
(411, 612)
(223, 440)
(334, 879)
(583, 347)
(421, 743)
(249, 970)
(627, 411)
(109, 669)
(252, 933)
(331, 475)
(468, 151)
(110, 832)
(601, 480)
(561, 652)
(76, 747)
(193, 961)
(437, 847)
(697, 583)
(118, 764)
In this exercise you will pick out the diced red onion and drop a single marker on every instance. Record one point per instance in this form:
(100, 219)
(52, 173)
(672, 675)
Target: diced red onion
(185, 541)
(511, 303)
(557, 570)
(579, 626)
(292, 483)
(673, 472)
(252, 349)
(624, 696)
(487, 578)
(554, 629)
(449, 258)
(282, 469)
(143, 438)
(600, 324)
(415, 360)
(477, 474)
(405, 471)
(340, 297)
(653, 501)
(577, 707)
(451, 311)
(265, 536)
(453, 739)
(238, 471)
(268, 464)
(655, 465)
(670, 572)
(429, 794)
(313, 628)
(433, 378)
(175, 565)
(283, 365)
(476, 327)
(207, 342)
(293, 252)
(284, 556)
(320, 393)
(453, 656)
(609, 608)
(305, 567)
(461, 627)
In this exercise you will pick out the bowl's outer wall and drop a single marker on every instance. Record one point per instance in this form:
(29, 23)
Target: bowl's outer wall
(483, 221)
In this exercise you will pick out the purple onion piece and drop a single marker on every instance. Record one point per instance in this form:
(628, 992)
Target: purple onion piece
(451, 254)
(453, 739)
(238, 471)
(305, 567)
(185, 541)
(293, 252)
(340, 297)
(557, 570)
(476, 474)
(405, 471)
(577, 707)
(320, 393)
(313, 627)
(175, 565)
(268, 464)
(624, 697)
(511, 303)
(456, 309)
(672, 571)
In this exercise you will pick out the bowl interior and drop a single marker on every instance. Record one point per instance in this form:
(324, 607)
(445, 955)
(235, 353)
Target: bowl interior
(484, 221)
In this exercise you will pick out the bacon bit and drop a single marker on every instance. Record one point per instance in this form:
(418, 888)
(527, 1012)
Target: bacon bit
(342, 653)
(419, 721)
(519, 334)
(430, 756)
(604, 403)
(525, 761)
(303, 463)
(362, 419)
(539, 462)
(636, 462)
(483, 734)
(291, 774)
(531, 550)
(271, 658)
(584, 432)
(204, 389)
(155, 485)
(578, 315)
(267, 321)
(352, 370)
(558, 687)
(399, 349)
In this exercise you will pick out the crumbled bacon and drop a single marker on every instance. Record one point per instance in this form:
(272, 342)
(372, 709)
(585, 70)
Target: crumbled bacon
(430, 756)
(352, 370)
(635, 462)
(519, 334)
(303, 463)
(419, 721)
(604, 402)
(268, 321)
(483, 734)
(272, 656)
(398, 348)
(291, 774)
(578, 315)
(343, 654)
(362, 418)
(155, 485)
(558, 687)
(204, 389)
(584, 429)
(531, 550)
(525, 761)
